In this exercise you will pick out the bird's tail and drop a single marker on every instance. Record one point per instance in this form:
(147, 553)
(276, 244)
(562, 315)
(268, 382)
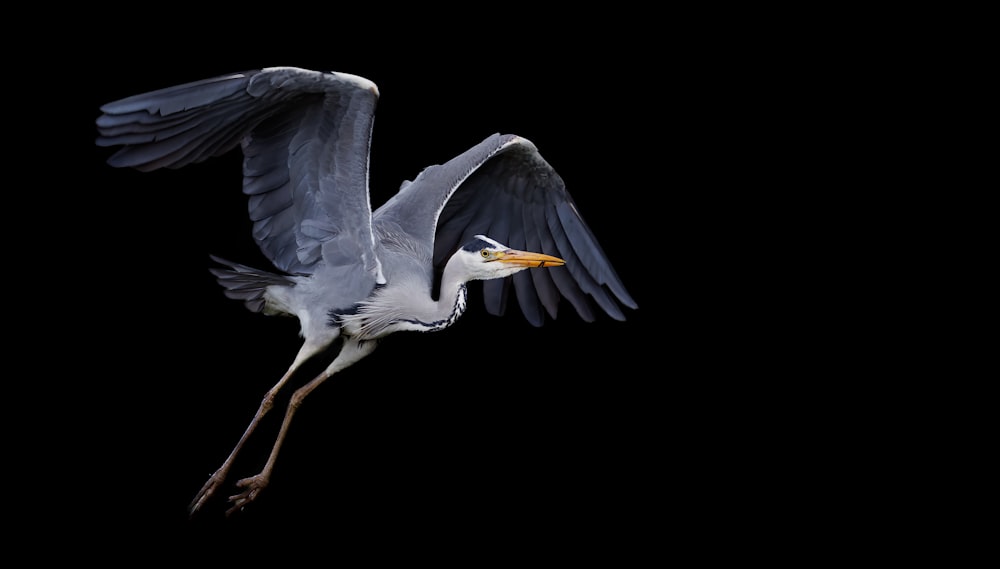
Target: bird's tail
(247, 283)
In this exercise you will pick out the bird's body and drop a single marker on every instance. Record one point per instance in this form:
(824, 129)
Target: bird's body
(343, 269)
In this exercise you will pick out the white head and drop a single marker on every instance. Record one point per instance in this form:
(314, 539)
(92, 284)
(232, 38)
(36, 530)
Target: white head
(483, 258)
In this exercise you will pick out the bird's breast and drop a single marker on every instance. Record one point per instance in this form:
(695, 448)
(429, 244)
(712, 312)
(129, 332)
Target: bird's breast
(381, 315)
(448, 318)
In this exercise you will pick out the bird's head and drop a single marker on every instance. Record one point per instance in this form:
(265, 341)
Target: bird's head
(483, 258)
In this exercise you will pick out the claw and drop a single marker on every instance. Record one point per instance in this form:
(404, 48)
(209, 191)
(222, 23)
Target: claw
(253, 485)
(206, 492)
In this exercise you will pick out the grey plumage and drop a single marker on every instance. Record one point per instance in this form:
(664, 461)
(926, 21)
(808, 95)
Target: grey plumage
(343, 268)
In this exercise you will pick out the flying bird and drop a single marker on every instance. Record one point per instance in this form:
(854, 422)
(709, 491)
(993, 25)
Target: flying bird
(497, 212)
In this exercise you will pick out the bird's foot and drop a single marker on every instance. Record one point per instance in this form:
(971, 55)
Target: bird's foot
(252, 487)
(213, 484)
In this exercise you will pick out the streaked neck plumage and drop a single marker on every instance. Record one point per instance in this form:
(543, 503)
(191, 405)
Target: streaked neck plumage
(452, 301)
(382, 313)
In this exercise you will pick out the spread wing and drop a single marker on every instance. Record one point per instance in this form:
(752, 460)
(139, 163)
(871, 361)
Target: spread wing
(503, 188)
(305, 138)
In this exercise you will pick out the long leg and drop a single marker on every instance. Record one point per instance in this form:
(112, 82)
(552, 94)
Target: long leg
(308, 350)
(351, 352)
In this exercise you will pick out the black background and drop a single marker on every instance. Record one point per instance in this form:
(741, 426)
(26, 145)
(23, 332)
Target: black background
(720, 155)
(605, 434)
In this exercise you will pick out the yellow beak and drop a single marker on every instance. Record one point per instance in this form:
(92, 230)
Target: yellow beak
(527, 259)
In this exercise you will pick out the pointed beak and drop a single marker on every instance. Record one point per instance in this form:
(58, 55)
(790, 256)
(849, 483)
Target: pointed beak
(527, 259)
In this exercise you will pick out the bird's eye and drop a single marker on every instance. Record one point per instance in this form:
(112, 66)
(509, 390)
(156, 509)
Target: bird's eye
(485, 253)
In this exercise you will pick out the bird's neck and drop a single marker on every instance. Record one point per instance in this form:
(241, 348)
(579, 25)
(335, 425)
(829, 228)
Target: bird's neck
(435, 314)
(452, 300)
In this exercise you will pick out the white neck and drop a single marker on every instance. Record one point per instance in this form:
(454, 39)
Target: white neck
(452, 298)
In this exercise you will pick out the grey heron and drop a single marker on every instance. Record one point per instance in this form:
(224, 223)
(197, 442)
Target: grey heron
(346, 271)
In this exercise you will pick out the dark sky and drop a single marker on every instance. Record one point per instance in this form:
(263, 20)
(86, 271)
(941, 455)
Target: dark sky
(601, 437)
(604, 438)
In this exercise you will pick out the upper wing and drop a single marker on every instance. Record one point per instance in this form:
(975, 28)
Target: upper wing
(305, 137)
(503, 188)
